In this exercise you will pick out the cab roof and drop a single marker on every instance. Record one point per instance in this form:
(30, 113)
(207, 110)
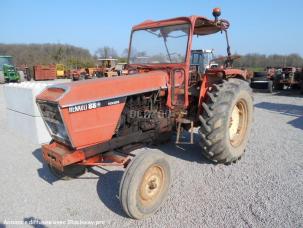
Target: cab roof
(202, 25)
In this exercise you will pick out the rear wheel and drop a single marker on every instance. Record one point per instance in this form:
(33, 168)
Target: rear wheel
(226, 121)
(145, 184)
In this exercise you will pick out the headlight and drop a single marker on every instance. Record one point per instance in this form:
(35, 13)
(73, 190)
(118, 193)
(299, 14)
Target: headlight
(53, 120)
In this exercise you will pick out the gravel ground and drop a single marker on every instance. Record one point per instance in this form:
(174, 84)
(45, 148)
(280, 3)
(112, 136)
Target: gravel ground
(264, 189)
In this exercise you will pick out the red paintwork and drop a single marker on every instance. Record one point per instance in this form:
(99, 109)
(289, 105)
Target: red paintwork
(228, 72)
(98, 125)
(210, 26)
(92, 126)
(203, 91)
(58, 155)
(105, 88)
(45, 72)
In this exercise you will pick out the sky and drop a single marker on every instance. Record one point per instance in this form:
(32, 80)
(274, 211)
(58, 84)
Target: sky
(265, 27)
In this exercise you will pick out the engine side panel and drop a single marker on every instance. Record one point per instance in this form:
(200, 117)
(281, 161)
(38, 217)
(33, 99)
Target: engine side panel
(92, 126)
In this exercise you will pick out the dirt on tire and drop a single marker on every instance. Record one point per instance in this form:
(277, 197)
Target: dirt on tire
(138, 204)
(215, 120)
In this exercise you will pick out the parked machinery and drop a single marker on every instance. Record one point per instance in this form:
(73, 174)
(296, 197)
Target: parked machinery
(263, 79)
(60, 71)
(107, 67)
(44, 72)
(8, 72)
(120, 68)
(79, 74)
(288, 77)
(203, 59)
(100, 122)
(23, 69)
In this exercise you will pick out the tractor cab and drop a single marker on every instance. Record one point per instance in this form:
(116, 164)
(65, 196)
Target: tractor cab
(8, 60)
(158, 45)
(201, 60)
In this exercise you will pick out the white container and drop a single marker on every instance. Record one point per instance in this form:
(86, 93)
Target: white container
(22, 114)
(29, 127)
(21, 97)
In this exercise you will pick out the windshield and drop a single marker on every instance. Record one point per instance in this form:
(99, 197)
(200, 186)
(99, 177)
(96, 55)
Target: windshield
(5, 60)
(159, 45)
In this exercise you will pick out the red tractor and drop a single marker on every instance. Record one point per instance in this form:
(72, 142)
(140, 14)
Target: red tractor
(101, 122)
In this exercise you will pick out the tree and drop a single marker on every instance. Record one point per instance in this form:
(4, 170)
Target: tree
(106, 52)
(32, 54)
(125, 53)
(58, 55)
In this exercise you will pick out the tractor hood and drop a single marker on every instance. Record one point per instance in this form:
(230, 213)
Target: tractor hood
(74, 93)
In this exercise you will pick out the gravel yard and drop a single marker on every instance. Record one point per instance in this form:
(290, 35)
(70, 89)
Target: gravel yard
(263, 189)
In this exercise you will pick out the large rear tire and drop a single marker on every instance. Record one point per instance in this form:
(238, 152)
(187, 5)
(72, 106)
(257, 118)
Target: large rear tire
(226, 121)
(144, 185)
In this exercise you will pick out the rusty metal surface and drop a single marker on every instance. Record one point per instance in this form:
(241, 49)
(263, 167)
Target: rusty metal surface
(45, 72)
(59, 156)
(201, 25)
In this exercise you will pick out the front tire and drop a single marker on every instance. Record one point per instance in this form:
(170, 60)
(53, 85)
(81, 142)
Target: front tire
(226, 121)
(144, 185)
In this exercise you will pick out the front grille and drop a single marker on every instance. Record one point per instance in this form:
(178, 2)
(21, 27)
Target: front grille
(53, 120)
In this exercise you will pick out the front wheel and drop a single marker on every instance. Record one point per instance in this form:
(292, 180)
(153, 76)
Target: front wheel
(144, 185)
(226, 121)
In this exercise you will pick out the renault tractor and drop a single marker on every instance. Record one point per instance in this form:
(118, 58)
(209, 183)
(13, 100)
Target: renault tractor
(101, 122)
